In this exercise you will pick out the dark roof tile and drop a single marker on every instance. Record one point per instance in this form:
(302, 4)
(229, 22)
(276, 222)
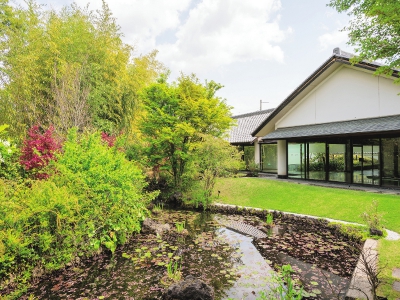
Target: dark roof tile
(246, 123)
(359, 126)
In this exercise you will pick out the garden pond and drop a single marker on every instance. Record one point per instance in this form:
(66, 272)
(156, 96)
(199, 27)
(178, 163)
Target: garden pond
(233, 250)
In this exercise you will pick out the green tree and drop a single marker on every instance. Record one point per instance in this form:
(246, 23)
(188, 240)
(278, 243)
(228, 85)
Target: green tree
(176, 115)
(374, 30)
(214, 157)
(68, 68)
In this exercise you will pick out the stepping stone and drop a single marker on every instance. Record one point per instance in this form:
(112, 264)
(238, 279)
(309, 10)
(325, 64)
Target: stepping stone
(241, 227)
(396, 286)
(396, 273)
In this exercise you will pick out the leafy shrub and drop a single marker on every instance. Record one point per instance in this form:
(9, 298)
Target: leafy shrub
(214, 157)
(372, 218)
(253, 169)
(38, 150)
(37, 229)
(108, 186)
(9, 154)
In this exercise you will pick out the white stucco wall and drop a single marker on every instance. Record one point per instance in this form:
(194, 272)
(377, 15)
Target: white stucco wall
(349, 93)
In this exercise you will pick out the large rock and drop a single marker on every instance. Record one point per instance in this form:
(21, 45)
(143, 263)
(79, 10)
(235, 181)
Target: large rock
(153, 227)
(176, 199)
(191, 288)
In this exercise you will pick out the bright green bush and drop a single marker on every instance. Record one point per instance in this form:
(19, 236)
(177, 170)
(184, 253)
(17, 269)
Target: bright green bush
(108, 186)
(37, 229)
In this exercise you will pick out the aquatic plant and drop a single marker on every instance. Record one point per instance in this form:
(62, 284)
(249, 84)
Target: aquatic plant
(283, 286)
(269, 219)
(174, 271)
(180, 226)
(158, 207)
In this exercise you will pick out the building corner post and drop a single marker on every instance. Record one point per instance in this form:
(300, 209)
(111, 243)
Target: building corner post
(282, 159)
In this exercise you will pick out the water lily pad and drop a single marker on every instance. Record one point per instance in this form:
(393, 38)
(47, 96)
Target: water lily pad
(316, 291)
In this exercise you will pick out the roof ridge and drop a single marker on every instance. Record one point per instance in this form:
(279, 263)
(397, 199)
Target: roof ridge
(259, 112)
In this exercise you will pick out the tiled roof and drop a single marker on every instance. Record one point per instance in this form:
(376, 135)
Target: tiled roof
(359, 126)
(245, 125)
(338, 56)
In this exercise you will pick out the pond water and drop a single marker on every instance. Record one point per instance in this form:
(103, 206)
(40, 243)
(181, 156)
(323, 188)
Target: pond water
(225, 258)
(254, 272)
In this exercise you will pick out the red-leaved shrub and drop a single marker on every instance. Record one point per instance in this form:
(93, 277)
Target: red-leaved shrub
(38, 150)
(109, 139)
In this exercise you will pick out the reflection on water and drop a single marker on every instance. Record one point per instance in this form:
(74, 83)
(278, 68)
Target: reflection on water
(255, 273)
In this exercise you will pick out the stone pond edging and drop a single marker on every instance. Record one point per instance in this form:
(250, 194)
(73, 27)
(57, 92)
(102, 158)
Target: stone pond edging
(391, 235)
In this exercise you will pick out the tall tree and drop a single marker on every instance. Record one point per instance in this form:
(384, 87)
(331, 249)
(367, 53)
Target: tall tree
(53, 62)
(176, 115)
(374, 30)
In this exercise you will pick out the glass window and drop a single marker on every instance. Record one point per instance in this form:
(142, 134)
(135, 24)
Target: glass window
(316, 161)
(337, 162)
(366, 162)
(390, 162)
(296, 159)
(248, 156)
(269, 158)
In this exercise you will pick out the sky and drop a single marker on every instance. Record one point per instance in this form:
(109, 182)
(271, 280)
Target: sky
(257, 49)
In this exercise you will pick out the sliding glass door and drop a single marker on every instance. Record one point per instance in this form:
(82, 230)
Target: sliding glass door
(390, 162)
(338, 165)
(296, 160)
(269, 158)
(366, 162)
(316, 160)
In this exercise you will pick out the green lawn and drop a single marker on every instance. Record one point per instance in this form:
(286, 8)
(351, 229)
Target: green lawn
(389, 259)
(340, 204)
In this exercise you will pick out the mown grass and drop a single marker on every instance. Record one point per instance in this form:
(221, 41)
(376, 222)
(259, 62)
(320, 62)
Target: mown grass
(389, 259)
(334, 203)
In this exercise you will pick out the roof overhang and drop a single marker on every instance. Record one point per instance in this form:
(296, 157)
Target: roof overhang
(325, 70)
(244, 143)
(389, 124)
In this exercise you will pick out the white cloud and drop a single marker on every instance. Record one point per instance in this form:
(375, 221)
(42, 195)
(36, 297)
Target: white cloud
(222, 32)
(143, 20)
(333, 39)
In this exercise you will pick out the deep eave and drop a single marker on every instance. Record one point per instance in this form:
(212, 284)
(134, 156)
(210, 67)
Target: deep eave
(333, 63)
(357, 127)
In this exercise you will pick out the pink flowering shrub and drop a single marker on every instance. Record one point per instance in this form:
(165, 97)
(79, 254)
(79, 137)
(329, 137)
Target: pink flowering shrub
(39, 148)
